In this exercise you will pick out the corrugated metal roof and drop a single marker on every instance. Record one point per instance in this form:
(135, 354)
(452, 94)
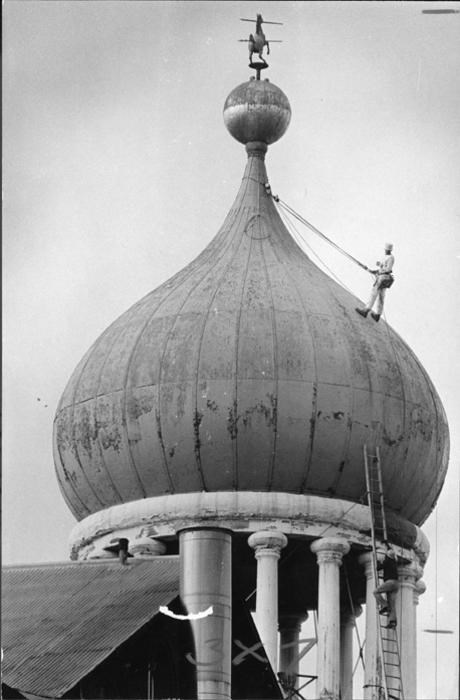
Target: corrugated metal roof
(60, 621)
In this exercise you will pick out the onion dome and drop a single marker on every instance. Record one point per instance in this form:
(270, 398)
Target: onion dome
(249, 370)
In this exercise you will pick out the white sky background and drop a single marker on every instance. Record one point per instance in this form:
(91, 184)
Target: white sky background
(118, 170)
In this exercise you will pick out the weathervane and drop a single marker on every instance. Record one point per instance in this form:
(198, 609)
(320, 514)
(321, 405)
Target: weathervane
(256, 43)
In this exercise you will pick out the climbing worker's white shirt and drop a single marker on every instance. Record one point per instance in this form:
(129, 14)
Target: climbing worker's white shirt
(385, 268)
(386, 265)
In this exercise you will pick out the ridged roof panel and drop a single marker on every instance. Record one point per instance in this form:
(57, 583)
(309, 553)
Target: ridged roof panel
(60, 621)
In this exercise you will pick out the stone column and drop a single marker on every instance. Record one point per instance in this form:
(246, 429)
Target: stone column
(205, 581)
(289, 626)
(347, 624)
(406, 627)
(372, 673)
(268, 545)
(329, 552)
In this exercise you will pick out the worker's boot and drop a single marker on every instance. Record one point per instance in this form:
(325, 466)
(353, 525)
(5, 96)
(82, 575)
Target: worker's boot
(362, 312)
(375, 316)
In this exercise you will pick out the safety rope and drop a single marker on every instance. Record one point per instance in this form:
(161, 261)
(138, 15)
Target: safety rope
(300, 239)
(304, 221)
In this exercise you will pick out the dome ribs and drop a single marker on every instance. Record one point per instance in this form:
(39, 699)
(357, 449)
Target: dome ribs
(252, 419)
(424, 419)
(211, 404)
(333, 408)
(233, 414)
(297, 394)
(349, 477)
(65, 479)
(273, 397)
(69, 416)
(393, 436)
(256, 376)
(167, 389)
(411, 453)
(244, 206)
(395, 443)
(215, 399)
(100, 441)
(332, 399)
(249, 370)
(338, 396)
(112, 437)
(130, 417)
(103, 447)
(67, 467)
(143, 394)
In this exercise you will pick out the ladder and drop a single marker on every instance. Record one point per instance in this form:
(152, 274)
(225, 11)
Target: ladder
(389, 648)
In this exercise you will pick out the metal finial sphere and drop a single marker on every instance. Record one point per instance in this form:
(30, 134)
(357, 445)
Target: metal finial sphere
(257, 111)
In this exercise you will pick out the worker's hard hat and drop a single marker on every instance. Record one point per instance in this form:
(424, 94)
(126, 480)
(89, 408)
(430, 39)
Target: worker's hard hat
(388, 246)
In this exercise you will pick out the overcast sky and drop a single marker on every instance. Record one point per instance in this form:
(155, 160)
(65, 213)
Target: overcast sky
(118, 170)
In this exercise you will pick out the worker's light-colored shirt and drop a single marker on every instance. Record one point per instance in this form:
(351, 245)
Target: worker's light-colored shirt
(387, 265)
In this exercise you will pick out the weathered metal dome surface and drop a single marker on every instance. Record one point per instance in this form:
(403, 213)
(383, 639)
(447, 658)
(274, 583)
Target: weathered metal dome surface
(249, 370)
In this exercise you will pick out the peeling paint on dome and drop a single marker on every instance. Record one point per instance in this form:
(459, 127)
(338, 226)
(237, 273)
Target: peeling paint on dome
(249, 370)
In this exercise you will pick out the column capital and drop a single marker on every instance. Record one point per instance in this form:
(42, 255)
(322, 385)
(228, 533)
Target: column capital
(408, 574)
(330, 549)
(292, 620)
(366, 559)
(267, 542)
(419, 589)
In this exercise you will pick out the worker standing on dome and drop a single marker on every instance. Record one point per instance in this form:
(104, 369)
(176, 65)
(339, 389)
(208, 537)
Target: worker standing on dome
(383, 280)
(389, 586)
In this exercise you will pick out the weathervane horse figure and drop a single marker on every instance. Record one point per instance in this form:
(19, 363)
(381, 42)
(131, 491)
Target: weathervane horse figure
(257, 41)
(256, 44)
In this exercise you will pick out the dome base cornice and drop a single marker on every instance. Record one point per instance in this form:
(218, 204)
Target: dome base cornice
(242, 512)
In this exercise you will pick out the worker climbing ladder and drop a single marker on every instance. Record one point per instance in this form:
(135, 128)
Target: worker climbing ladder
(391, 688)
